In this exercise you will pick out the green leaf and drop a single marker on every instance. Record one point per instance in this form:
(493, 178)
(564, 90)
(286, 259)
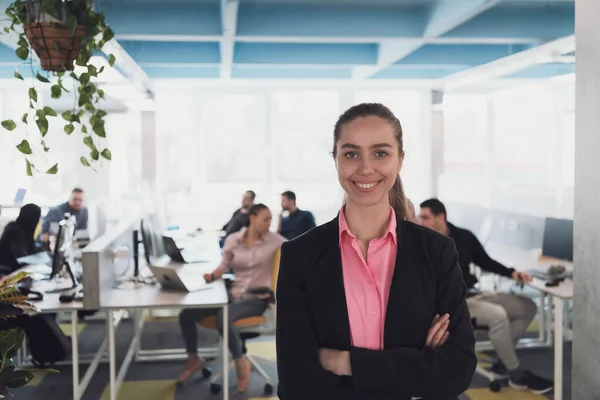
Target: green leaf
(29, 168)
(106, 154)
(42, 124)
(98, 129)
(100, 93)
(18, 379)
(24, 147)
(18, 75)
(92, 70)
(55, 46)
(22, 52)
(6, 29)
(67, 116)
(95, 154)
(101, 70)
(53, 170)
(41, 78)
(50, 112)
(111, 59)
(9, 124)
(10, 341)
(22, 42)
(84, 161)
(83, 100)
(24, 117)
(108, 35)
(55, 91)
(101, 114)
(69, 129)
(88, 141)
(84, 79)
(72, 24)
(33, 94)
(84, 129)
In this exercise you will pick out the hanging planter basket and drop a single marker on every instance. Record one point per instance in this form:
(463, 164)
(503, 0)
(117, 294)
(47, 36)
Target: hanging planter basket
(55, 44)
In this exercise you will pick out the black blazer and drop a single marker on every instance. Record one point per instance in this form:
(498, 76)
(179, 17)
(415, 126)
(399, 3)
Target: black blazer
(312, 314)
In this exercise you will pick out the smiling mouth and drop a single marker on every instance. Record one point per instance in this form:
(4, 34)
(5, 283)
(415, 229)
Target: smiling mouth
(365, 187)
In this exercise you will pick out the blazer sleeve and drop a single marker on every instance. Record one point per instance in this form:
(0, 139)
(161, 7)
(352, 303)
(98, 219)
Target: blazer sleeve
(300, 373)
(426, 372)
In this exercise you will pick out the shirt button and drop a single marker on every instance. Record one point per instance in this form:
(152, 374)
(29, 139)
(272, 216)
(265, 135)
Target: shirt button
(374, 312)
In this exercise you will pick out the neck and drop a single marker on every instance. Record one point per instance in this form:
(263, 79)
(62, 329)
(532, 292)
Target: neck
(367, 223)
(253, 235)
(446, 229)
(292, 209)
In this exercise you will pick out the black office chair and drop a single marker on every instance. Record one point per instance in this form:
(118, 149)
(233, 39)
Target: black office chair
(496, 382)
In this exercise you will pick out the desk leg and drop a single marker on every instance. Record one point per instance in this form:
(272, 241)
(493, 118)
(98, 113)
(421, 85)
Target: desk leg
(543, 314)
(111, 355)
(558, 348)
(225, 352)
(75, 355)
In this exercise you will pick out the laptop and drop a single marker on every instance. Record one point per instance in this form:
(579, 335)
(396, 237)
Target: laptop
(182, 255)
(170, 279)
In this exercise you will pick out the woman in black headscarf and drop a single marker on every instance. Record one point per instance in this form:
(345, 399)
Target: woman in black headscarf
(17, 239)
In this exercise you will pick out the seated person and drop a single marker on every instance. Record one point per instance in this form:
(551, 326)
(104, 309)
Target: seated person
(249, 253)
(17, 240)
(506, 316)
(298, 221)
(239, 219)
(74, 207)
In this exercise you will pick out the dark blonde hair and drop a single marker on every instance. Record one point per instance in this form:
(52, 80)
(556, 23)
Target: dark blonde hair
(396, 194)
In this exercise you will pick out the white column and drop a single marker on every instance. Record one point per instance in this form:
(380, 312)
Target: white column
(149, 149)
(586, 352)
(489, 161)
(435, 140)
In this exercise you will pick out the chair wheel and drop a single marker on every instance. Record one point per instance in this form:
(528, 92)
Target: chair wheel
(495, 386)
(206, 372)
(215, 388)
(268, 390)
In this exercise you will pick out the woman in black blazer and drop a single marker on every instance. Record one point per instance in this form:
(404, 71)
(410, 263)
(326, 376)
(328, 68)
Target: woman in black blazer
(418, 358)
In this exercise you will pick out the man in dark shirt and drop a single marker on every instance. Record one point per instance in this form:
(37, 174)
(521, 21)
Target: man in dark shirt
(74, 207)
(297, 222)
(506, 316)
(239, 219)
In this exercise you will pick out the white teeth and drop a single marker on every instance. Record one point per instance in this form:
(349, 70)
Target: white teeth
(366, 185)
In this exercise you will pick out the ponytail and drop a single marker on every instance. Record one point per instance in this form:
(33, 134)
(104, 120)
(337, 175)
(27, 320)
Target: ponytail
(398, 199)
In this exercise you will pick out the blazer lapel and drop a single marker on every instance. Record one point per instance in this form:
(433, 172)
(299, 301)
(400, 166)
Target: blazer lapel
(331, 274)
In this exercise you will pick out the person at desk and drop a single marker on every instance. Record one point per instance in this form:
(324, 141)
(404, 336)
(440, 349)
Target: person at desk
(370, 305)
(297, 221)
(74, 207)
(249, 252)
(239, 219)
(506, 315)
(17, 240)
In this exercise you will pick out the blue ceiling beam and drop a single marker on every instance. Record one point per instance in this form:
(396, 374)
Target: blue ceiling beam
(545, 23)
(446, 15)
(460, 54)
(174, 52)
(240, 72)
(274, 19)
(303, 53)
(164, 19)
(207, 72)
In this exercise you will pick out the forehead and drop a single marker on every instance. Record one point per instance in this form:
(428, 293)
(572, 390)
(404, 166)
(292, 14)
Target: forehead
(366, 131)
(425, 211)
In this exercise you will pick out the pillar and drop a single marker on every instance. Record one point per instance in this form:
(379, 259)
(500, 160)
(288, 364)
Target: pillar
(586, 352)
(149, 150)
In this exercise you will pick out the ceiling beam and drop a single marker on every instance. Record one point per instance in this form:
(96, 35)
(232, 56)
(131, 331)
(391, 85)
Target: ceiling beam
(229, 14)
(326, 39)
(130, 68)
(545, 53)
(444, 16)
(389, 52)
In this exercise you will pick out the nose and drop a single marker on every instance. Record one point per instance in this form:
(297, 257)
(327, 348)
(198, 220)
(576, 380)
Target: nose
(366, 167)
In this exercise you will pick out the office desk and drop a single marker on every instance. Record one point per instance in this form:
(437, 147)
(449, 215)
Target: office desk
(523, 260)
(51, 304)
(152, 297)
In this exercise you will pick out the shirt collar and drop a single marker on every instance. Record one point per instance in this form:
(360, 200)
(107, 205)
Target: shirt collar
(390, 230)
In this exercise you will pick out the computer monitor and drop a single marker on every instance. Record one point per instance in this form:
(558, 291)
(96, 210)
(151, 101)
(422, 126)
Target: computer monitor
(20, 196)
(558, 239)
(147, 233)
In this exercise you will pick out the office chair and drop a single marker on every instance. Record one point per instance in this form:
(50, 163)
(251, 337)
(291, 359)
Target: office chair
(496, 382)
(250, 328)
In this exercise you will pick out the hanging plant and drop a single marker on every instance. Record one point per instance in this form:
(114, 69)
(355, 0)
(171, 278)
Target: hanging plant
(62, 34)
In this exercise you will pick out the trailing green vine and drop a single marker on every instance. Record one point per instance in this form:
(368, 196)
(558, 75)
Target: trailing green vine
(36, 23)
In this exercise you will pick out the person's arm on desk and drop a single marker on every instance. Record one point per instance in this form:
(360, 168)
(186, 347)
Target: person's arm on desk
(225, 262)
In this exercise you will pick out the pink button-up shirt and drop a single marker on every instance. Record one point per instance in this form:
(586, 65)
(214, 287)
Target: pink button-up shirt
(367, 284)
(252, 266)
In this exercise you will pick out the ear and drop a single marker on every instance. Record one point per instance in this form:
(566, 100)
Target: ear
(400, 161)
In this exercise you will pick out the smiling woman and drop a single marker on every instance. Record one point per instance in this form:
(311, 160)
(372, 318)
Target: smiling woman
(370, 305)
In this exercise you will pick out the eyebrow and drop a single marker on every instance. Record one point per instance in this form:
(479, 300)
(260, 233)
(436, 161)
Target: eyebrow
(373, 146)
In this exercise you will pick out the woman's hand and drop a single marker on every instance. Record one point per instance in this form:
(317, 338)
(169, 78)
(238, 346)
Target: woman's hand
(438, 333)
(336, 361)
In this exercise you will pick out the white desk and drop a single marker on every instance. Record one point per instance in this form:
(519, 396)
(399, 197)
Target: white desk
(152, 297)
(523, 260)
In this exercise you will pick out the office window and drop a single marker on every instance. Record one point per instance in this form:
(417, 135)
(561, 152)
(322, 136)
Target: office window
(233, 130)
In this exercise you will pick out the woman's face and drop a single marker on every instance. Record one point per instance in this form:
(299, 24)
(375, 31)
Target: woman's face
(261, 221)
(367, 160)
